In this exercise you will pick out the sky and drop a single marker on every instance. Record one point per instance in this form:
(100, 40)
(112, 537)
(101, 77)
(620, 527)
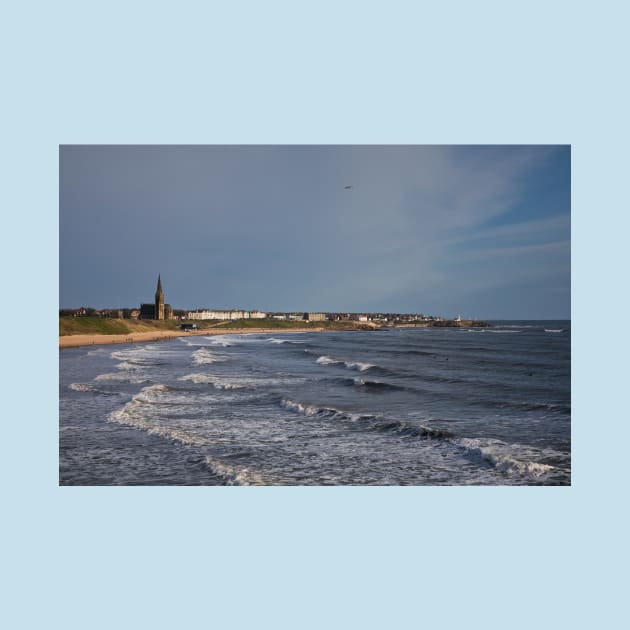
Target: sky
(477, 231)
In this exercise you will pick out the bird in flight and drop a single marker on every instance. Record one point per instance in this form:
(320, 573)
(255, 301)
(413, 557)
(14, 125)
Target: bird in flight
(347, 187)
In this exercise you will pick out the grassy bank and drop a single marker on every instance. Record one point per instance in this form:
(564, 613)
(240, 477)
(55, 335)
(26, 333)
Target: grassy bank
(110, 326)
(69, 325)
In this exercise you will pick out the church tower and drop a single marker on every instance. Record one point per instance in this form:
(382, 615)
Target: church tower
(159, 300)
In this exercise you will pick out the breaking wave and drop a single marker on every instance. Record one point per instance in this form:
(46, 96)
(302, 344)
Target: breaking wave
(358, 365)
(368, 421)
(82, 387)
(140, 413)
(278, 341)
(140, 356)
(232, 475)
(509, 458)
(377, 386)
(329, 412)
(237, 382)
(324, 360)
(506, 458)
(122, 376)
(88, 387)
(505, 332)
(351, 365)
(203, 356)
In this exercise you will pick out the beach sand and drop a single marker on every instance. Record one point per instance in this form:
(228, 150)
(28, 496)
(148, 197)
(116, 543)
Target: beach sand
(73, 341)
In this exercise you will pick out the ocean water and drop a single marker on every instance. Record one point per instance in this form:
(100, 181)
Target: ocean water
(406, 406)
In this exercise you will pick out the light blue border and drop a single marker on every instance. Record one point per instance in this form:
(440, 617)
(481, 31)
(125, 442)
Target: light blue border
(288, 72)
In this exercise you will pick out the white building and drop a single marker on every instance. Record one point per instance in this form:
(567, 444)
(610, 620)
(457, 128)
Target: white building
(315, 317)
(225, 314)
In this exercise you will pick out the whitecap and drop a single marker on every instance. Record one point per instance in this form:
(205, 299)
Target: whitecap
(122, 376)
(358, 365)
(238, 382)
(232, 475)
(326, 360)
(204, 356)
(509, 458)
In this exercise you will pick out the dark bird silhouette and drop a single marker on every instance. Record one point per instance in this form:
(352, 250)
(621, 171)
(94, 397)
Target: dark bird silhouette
(347, 187)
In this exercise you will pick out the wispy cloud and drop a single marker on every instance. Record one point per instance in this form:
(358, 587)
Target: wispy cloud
(274, 226)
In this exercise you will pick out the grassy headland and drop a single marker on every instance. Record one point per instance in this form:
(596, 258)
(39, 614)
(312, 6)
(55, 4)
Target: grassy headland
(69, 325)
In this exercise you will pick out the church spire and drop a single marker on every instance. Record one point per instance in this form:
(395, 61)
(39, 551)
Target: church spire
(159, 300)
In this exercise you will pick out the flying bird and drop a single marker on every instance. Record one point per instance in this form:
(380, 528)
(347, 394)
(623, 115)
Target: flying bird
(347, 188)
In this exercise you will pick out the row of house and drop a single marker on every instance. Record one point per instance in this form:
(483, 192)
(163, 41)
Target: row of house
(159, 310)
(225, 314)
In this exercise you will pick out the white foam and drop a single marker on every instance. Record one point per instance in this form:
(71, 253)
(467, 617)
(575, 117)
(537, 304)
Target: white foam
(233, 340)
(140, 356)
(234, 476)
(358, 365)
(121, 376)
(325, 360)
(313, 410)
(203, 356)
(509, 458)
(237, 382)
(351, 365)
(554, 330)
(132, 355)
(82, 387)
(307, 410)
(151, 393)
(140, 413)
(275, 340)
(125, 365)
(215, 381)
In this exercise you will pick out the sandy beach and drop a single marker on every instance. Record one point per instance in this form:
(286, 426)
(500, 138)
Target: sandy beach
(73, 341)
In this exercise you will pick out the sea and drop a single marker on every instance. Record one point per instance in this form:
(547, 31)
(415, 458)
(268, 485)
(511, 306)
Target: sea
(395, 406)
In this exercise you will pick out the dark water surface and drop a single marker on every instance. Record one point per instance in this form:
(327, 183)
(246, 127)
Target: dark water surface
(390, 407)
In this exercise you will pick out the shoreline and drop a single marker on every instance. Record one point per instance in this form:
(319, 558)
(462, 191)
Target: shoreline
(76, 341)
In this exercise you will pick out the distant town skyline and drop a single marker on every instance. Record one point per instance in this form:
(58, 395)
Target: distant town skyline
(481, 231)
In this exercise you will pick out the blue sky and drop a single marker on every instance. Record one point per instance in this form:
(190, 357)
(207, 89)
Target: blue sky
(481, 231)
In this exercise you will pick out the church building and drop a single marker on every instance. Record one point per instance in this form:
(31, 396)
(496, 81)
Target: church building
(157, 310)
